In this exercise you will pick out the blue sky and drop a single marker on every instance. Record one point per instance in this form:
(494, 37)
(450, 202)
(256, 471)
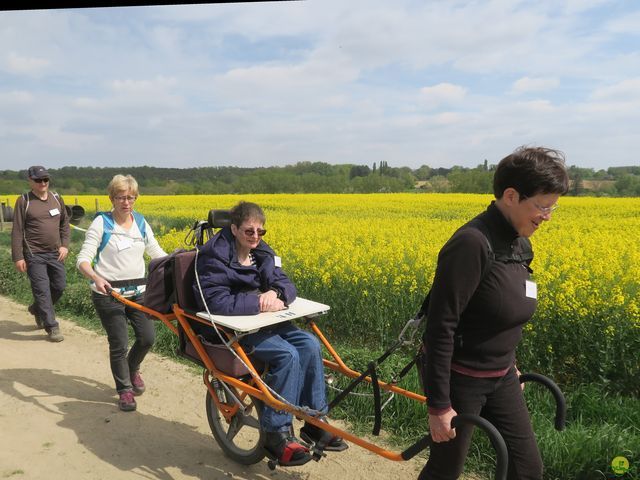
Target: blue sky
(410, 82)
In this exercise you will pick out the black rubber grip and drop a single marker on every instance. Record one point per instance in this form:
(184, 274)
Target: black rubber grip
(561, 404)
(502, 456)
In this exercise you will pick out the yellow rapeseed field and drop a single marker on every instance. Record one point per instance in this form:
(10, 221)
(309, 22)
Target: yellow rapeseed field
(372, 257)
(382, 246)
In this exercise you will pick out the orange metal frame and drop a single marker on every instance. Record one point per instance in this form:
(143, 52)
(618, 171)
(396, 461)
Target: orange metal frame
(256, 388)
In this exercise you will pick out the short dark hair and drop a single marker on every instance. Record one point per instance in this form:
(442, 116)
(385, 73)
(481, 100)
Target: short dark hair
(530, 171)
(244, 211)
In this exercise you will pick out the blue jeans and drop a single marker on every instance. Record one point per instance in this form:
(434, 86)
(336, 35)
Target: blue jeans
(48, 280)
(114, 316)
(295, 370)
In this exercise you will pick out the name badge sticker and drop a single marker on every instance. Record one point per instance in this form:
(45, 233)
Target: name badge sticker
(530, 289)
(54, 211)
(278, 261)
(124, 243)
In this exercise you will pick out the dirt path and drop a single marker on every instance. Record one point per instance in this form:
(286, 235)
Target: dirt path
(59, 420)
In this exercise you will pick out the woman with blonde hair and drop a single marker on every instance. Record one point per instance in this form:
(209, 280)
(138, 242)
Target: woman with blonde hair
(112, 257)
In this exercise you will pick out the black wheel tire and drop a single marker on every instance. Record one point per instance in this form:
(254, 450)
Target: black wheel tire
(242, 439)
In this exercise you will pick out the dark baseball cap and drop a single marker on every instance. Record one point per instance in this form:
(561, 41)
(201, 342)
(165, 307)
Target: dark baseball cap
(37, 172)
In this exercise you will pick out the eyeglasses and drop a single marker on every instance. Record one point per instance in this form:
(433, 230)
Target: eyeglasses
(40, 180)
(541, 209)
(125, 198)
(261, 232)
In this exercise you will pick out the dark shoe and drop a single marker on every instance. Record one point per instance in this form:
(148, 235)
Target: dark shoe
(138, 383)
(286, 449)
(312, 434)
(127, 403)
(32, 311)
(55, 335)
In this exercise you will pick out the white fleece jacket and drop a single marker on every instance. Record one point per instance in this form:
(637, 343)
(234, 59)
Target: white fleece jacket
(123, 256)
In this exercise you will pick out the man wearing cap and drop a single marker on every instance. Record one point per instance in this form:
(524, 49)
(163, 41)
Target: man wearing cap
(39, 246)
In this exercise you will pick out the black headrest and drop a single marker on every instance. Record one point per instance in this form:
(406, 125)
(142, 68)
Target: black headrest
(219, 218)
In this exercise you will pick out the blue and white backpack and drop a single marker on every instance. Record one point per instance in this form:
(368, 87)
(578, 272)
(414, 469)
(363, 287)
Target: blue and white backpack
(109, 225)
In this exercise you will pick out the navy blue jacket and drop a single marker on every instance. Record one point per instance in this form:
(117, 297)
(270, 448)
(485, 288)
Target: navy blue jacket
(232, 289)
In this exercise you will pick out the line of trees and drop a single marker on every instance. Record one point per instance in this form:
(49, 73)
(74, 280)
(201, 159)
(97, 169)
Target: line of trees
(315, 177)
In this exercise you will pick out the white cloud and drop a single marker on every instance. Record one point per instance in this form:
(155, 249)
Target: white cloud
(442, 93)
(449, 118)
(543, 106)
(86, 103)
(16, 97)
(629, 24)
(526, 84)
(625, 91)
(577, 6)
(22, 65)
(146, 87)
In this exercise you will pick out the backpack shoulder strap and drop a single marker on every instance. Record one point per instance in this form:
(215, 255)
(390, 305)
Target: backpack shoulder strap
(491, 257)
(142, 225)
(525, 255)
(107, 219)
(25, 207)
(25, 196)
(482, 227)
(56, 197)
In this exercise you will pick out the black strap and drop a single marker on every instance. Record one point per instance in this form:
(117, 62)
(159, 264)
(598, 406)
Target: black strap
(127, 283)
(377, 409)
(341, 396)
(370, 371)
(407, 368)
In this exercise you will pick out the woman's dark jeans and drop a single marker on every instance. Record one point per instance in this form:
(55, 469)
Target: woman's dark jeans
(500, 401)
(114, 316)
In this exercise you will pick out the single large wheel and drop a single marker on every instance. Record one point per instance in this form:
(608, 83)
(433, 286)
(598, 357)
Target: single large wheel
(241, 439)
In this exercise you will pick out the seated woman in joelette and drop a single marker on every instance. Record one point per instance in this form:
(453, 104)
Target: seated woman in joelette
(240, 275)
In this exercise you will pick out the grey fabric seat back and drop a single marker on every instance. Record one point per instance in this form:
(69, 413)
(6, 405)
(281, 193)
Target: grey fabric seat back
(184, 276)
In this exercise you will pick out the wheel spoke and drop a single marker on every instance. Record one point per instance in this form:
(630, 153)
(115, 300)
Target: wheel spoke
(250, 421)
(241, 444)
(234, 427)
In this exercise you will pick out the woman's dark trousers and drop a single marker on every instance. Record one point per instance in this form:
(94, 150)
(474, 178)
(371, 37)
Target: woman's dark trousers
(500, 401)
(115, 316)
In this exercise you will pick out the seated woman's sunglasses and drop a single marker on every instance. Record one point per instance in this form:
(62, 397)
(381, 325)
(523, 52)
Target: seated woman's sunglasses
(250, 232)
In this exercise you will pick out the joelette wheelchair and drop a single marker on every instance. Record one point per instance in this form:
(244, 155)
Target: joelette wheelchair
(236, 393)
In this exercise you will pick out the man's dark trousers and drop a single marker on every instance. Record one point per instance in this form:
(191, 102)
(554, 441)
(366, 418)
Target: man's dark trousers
(48, 280)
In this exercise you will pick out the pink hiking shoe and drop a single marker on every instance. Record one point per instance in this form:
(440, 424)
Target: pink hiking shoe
(137, 383)
(127, 403)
